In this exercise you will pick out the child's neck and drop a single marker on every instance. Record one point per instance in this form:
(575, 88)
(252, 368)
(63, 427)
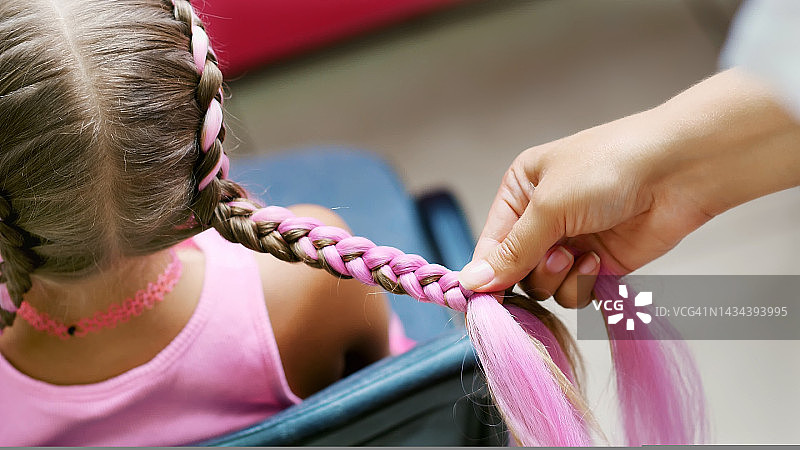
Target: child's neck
(70, 301)
(111, 351)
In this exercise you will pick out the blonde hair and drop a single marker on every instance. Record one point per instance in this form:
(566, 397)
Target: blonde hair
(100, 112)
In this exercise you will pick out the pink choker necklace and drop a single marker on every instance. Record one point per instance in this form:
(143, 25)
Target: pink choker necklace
(117, 313)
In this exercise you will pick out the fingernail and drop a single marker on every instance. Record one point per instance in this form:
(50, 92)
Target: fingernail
(558, 260)
(476, 274)
(589, 263)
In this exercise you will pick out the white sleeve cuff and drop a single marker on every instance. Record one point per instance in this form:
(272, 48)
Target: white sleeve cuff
(764, 40)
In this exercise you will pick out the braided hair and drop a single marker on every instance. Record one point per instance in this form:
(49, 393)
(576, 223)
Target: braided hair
(19, 262)
(516, 343)
(223, 205)
(111, 146)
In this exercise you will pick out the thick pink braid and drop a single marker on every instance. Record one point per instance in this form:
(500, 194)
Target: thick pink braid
(357, 257)
(524, 385)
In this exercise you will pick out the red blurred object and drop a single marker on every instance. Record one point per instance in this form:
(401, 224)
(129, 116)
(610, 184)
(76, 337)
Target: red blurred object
(247, 34)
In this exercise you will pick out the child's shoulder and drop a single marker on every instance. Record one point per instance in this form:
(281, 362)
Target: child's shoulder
(317, 317)
(297, 282)
(291, 290)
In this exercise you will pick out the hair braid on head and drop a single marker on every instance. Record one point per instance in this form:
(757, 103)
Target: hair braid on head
(278, 231)
(212, 165)
(17, 262)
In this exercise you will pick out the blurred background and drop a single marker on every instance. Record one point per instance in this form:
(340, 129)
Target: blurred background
(449, 92)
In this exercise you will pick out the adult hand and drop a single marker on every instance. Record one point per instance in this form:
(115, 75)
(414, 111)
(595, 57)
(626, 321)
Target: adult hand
(628, 191)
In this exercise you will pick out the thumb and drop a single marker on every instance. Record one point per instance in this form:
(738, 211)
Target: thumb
(499, 264)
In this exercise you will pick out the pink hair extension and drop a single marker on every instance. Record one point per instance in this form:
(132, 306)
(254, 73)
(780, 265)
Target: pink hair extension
(535, 407)
(659, 388)
(525, 389)
(537, 330)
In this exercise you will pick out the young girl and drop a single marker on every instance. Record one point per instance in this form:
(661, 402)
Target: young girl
(116, 328)
(130, 314)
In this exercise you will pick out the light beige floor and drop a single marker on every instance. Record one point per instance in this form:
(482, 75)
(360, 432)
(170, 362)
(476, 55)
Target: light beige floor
(450, 100)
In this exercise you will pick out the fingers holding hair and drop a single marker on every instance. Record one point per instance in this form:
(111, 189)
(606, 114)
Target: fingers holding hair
(571, 293)
(520, 228)
(549, 275)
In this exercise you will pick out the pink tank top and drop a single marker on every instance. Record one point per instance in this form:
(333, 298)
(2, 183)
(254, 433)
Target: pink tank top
(213, 378)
